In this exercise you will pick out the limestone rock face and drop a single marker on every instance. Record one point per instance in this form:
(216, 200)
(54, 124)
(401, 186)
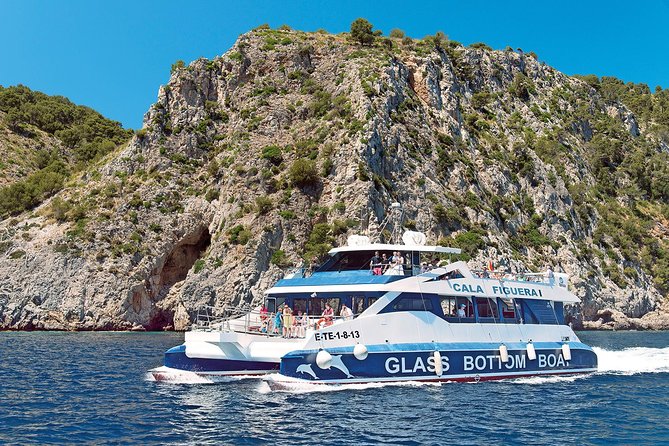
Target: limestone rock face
(487, 150)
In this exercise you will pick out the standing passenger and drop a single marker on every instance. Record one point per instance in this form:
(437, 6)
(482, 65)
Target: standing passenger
(277, 322)
(287, 321)
(376, 264)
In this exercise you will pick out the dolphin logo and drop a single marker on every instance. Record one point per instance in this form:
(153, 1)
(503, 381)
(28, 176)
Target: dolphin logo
(337, 363)
(306, 368)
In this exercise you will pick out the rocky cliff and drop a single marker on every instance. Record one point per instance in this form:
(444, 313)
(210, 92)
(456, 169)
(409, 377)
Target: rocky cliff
(291, 141)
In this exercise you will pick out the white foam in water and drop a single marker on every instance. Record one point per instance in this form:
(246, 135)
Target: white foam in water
(173, 376)
(299, 386)
(548, 379)
(634, 360)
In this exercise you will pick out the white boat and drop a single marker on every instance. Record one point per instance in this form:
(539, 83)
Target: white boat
(409, 321)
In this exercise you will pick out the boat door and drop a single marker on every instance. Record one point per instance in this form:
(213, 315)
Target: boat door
(270, 303)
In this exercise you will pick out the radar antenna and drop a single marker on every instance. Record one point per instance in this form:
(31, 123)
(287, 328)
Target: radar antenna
(393, 218)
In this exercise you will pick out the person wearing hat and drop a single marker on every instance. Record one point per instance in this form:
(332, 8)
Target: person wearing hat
(461, 311)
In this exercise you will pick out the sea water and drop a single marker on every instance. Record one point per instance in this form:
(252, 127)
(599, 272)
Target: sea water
(93, 388)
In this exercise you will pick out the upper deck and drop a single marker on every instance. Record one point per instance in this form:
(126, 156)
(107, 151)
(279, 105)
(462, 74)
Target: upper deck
(353, 265)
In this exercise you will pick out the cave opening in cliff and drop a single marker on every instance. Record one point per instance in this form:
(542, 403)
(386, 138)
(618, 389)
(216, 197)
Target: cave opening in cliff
(183, 257)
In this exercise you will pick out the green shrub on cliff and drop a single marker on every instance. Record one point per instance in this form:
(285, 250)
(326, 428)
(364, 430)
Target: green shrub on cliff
(319, 243)
(361, 31)
(85, 134)
(273, 154)
(303, 173)
(239, 235)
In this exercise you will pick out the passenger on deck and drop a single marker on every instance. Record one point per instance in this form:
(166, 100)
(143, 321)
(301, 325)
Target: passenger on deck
(326, 317)
(384, 262)
(313, 266)
(461, 311)
(550, 276)
(300, 325)
(376, 264)
(346, 313)
(263, 313)
(287, 321)
(395, 264)
(277, 322)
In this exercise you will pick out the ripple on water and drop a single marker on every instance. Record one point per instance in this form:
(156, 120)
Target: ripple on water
(93, 388)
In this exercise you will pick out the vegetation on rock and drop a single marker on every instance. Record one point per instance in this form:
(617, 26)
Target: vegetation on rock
(292, 141)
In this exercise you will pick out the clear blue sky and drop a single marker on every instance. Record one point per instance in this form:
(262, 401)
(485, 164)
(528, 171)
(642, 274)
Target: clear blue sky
(113, 55)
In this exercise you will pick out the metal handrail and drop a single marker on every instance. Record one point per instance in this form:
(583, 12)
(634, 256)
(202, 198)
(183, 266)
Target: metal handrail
(505, 275)
(244, 319)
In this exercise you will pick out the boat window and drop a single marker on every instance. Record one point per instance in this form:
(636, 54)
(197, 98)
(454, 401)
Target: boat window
(357, 304)
(317, 305)
(273, 303)
(413, 304)
(559, 312)
(487, 307)
(299, 305)
(449, 306)
(508, 308)
(455, 274)
(539, 312)
(457, 309)
(350, 261)
(468, 306)
(371, 301)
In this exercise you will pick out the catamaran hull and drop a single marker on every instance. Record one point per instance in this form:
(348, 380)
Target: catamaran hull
(386, 363)
(176, 361)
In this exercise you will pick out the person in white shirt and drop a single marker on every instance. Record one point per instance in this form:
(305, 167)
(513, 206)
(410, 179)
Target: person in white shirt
(346, 313)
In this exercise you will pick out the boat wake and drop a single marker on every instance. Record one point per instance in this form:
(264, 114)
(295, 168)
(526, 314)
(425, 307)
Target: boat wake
(631, 361)
(297, 386)
(174, 376)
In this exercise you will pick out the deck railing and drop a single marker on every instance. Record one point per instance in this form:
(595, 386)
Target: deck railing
(245, 319)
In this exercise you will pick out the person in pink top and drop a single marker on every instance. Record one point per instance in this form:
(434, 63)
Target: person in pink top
(326, 317)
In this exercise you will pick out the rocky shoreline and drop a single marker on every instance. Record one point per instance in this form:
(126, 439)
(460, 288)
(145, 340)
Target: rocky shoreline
(614, 320)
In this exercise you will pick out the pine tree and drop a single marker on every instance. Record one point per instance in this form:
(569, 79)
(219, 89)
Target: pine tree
(361, 31)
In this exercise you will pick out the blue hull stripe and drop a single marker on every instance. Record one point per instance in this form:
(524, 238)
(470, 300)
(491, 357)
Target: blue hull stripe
(176, 358)
(458, 364)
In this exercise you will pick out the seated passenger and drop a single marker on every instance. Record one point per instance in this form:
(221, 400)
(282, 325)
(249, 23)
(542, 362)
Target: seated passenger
(346, 313)
(461, 311)
(326, 317)
(300, 325)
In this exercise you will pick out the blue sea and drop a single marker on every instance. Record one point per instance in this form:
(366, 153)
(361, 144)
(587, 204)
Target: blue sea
(93, 388)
